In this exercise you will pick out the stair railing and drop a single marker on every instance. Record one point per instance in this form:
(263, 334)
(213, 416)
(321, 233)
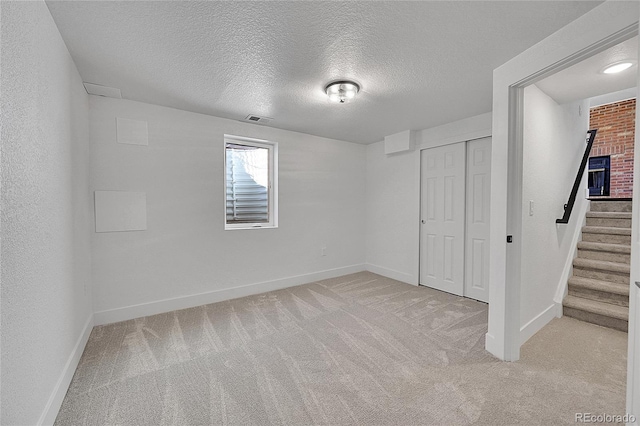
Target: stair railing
(568, 208)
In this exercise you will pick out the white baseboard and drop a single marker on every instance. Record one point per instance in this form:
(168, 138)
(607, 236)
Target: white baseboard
(50, 412)
(184, 302)
(391, 273)
(536, 324)
(559, 311)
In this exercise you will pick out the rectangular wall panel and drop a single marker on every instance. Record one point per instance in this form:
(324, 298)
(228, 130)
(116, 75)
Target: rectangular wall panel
(132, 132)
(117, 211)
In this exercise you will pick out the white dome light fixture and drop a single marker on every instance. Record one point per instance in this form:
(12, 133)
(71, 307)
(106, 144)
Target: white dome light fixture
(342, 91)
(617, 67)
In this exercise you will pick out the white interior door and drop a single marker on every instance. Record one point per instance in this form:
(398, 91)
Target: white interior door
(442, 201)
(476, 283)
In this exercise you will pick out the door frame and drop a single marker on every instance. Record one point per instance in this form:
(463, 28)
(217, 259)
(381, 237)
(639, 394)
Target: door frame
(464, 130)
(604, 26)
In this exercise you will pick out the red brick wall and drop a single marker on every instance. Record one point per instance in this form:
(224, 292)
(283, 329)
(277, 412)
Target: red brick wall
(616, 130)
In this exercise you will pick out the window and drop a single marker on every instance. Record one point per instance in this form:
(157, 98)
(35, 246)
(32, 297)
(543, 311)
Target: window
(250, 183)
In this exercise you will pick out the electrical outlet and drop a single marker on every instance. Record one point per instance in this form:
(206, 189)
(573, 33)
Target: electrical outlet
(323, 251)
(530, 207)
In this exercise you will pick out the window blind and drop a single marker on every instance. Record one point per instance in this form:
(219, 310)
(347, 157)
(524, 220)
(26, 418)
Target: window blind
(247, 169)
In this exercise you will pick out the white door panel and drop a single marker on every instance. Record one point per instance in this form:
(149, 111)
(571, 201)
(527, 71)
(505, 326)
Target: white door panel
(443, 218)
(476, 284)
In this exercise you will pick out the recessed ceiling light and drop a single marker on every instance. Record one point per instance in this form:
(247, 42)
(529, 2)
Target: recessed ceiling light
(616, 68)
(342, 91)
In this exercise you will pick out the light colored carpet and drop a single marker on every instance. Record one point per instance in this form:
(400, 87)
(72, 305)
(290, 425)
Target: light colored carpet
(359, 349)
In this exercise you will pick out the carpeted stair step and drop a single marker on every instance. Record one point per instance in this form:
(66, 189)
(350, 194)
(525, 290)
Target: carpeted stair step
(609, 219)
(603, 291)
(604, 314)
(601, 270)
(606, 234)
(610, 206)
(601, 251)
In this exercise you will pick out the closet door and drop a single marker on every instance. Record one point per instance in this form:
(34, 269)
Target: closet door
(443, 218)
(476, 284)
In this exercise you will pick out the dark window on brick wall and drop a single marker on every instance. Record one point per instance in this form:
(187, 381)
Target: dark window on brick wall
(616, 131)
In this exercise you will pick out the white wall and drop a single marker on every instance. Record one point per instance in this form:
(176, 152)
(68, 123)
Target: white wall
(46, 300)
(609, 98)
(392, 188)
(553, 146)
(185, 250)
(393, 198)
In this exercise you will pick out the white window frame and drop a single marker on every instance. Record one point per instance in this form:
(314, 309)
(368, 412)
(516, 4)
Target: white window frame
(272, 189)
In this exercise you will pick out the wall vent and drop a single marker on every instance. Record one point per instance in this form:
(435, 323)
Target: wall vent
(98, 90)
(251, 118)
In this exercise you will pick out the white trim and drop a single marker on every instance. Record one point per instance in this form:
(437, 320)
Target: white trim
(561, 291)
(610, 98)
(184, 302)
(391, 273)
(272, 189)
(52, 408)
(536, 324)
(491, 344)
(476, 127)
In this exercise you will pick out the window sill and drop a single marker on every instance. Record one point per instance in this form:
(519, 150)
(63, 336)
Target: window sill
(248, 226)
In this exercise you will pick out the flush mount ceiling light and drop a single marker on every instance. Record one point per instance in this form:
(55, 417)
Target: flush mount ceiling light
(342, 91)
(617, 67)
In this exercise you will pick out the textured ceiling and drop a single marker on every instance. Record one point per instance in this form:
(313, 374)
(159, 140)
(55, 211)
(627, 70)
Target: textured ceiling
(586, 79)
(420, 64)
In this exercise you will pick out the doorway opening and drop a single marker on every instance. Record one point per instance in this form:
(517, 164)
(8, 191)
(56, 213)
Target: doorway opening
(559, 52)
(580, 267)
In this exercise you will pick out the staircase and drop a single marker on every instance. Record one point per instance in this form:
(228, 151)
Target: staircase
(599, 287)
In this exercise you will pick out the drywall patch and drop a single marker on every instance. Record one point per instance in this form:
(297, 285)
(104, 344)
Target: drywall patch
(132, 132)
(118, 211)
